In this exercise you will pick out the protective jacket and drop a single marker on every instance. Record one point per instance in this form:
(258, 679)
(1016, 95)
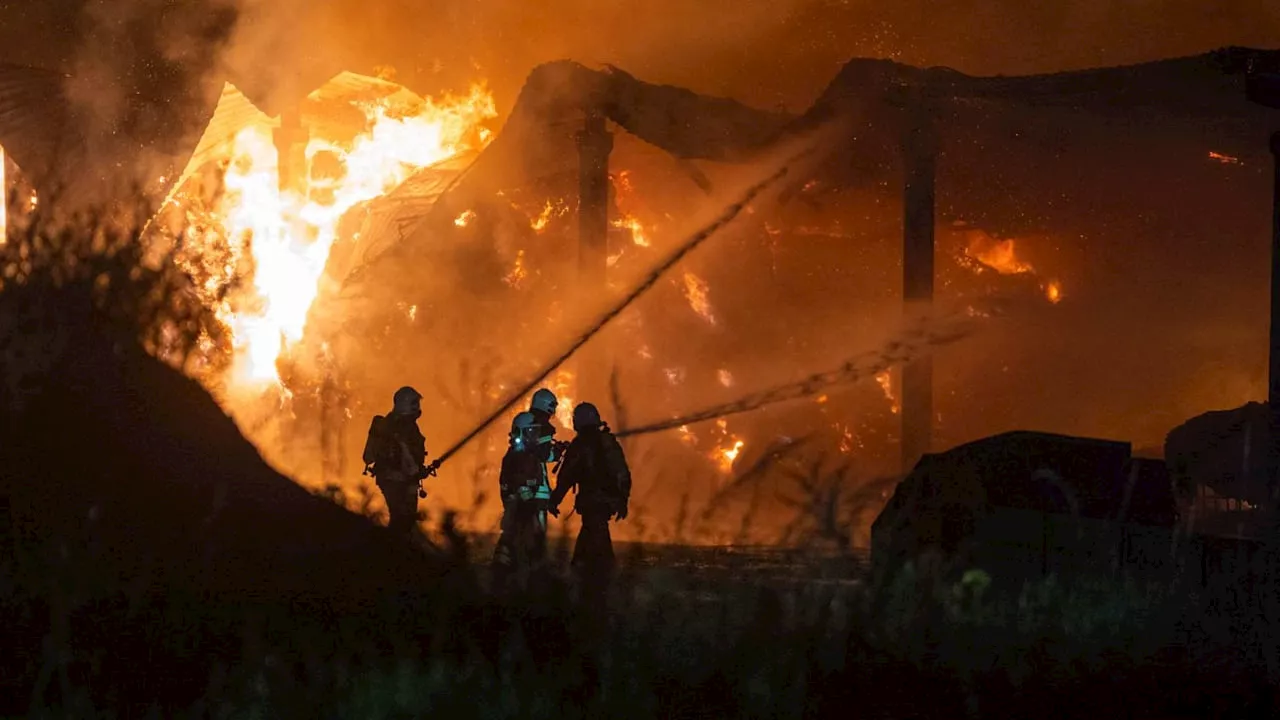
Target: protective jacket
(595, 465)
(395, 446)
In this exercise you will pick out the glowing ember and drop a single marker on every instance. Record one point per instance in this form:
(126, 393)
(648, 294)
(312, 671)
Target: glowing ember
(1224, 159)
(728, 449)
(675, 376)
(637, 230)
(726, 378)
(1053, 291)
(730, 455)
(885, 379)
(687, 437)
(846, 439)
(543, 218)
(695, 290)
(281, 240)
(413, 313)
(465, 218)
(518, 273)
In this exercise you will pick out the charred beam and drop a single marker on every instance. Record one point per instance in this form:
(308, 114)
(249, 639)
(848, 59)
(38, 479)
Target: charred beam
(920, 161)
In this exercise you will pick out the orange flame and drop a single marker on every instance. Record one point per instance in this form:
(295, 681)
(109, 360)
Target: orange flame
(563, 388)
(638, 236)
(999, 255)
(885, 379)
(695, 290)
(516, 277)
(282, 238)
(1053, 291)
(728, 449)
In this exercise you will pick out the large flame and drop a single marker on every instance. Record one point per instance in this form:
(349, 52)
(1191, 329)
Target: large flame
(281, 239)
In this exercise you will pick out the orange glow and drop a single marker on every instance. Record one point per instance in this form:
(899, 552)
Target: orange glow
(885, 379)
(1224, 159)
(464, 219)
(280, 240)
(517, 275)
(563, 388)
(687, 437)
(550, 210)
(1053, 291)
(730, 455)
(999, 255)
(846, 439)
(726, 377)
(637, 230)
(728, 448)
(983, 252)
(696, 290)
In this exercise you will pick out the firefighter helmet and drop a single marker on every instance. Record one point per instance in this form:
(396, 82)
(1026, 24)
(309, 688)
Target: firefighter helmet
(544, 400)
(586, 417)
(408, 401)
(523, 431)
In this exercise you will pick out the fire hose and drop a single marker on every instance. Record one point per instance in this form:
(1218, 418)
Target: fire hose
(729, 214)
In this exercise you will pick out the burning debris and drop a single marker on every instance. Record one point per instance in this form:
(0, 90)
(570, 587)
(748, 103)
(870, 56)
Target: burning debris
(696, 291)
(516, 277)
(464, 218)
(885, 379)
(728, 447)
(1224, 159)
(637, 231)
(982, 252)
(558, 208)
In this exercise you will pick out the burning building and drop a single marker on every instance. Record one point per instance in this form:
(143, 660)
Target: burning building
(474, 253)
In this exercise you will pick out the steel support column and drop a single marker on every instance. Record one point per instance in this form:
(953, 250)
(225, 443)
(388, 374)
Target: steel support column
(919, 161)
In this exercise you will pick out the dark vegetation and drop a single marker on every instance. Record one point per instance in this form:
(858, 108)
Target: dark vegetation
(154, 566)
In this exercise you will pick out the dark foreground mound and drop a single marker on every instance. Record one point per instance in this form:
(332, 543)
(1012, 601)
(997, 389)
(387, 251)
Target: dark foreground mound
(140, 527)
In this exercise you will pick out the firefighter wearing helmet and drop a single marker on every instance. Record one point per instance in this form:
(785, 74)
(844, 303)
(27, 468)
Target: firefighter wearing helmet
(395, 454)
(543, 408)
(526, 493)
(596, 469)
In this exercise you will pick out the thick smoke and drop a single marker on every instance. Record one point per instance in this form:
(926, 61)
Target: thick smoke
(144, 77)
